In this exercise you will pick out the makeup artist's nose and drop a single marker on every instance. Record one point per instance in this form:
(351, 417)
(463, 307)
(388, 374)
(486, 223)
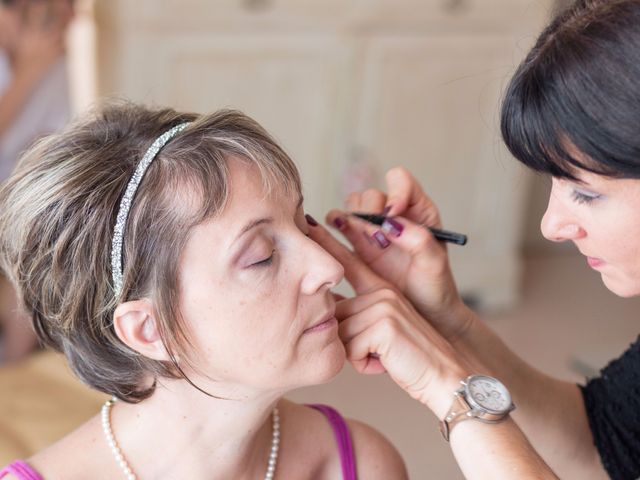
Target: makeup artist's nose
(322, 270)
(558, 223)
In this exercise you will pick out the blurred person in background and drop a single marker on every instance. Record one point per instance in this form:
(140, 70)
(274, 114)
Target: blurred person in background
(34, 101)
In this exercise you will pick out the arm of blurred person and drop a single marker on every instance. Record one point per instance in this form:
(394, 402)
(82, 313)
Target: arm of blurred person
(33, 46)
(381, 321)
(550, 412)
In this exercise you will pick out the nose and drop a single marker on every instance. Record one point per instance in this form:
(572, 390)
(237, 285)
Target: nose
(558, 223)
(323, 271)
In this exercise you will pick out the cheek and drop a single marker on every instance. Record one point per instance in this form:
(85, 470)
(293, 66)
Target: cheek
(622, 272)
(246, 325)
(614, 236)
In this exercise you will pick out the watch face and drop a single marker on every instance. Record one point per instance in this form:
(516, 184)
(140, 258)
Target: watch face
(488, 394)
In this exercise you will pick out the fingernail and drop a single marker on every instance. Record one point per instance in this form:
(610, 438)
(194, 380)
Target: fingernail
(382, 241)
(387, 209)
(392, 227)
(310, 220)
(340, 223)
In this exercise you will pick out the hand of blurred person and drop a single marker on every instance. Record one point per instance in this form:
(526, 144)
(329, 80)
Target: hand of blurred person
(40, 39)
(403, 252)
(32, 42)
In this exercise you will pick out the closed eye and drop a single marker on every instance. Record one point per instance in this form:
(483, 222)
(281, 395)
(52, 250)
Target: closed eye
(266, 262)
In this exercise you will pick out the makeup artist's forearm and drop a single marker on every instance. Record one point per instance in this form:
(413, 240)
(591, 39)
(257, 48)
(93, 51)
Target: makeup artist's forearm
(495, 452)
(550, 412)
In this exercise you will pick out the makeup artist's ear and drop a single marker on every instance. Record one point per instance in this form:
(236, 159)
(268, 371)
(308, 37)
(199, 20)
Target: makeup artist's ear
(135, 324)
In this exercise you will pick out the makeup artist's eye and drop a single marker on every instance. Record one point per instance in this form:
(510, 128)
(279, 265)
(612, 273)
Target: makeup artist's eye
(267, 261)
(584, 197)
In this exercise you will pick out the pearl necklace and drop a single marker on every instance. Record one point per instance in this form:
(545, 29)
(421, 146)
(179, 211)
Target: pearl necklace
(117, 453)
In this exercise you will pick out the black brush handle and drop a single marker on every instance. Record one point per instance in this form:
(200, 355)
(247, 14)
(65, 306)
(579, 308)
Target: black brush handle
(442, 235)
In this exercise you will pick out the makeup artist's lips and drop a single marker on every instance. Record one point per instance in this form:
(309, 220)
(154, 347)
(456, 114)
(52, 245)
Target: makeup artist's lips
(327, 323)
(595, 262)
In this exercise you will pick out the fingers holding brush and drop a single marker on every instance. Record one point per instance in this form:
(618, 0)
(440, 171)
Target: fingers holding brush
(406, 197)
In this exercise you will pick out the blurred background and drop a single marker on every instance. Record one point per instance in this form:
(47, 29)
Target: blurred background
(350, 89)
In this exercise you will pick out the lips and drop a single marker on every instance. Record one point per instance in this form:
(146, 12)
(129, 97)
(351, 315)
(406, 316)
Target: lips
(595, 262)
(328, 321)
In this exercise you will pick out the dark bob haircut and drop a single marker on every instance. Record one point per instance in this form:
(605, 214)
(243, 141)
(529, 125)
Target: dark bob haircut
(574, 102)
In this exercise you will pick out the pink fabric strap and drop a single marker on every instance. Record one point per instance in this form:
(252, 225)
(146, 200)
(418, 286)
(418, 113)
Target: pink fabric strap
(21, 471)
(343, 437)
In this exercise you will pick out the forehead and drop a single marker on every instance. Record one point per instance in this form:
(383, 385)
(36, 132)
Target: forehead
(249, 191)
(249, 201)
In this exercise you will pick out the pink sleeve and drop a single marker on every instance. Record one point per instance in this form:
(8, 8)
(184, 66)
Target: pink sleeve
(21, 470)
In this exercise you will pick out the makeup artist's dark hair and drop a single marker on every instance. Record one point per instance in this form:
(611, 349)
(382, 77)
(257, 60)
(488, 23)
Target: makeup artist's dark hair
(578, 92)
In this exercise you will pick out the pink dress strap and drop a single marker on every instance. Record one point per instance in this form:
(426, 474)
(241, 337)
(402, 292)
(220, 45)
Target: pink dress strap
(21, 470)
(343, 438)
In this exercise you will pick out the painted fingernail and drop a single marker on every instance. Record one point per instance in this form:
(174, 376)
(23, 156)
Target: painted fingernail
(340, 223)
(392, 227)
(380, 239)
(387, 209)
(310, 220)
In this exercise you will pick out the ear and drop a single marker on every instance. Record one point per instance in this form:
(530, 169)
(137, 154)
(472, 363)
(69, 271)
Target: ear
(135, 324)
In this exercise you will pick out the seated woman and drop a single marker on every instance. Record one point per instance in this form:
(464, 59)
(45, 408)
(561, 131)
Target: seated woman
(165, 254)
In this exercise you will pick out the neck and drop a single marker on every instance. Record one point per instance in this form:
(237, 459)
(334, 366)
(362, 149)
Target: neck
(184, 431)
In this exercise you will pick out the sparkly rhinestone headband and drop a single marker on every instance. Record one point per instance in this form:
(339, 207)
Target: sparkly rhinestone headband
(127, 200)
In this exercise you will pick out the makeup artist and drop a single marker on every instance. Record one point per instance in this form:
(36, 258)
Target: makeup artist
(572, 111)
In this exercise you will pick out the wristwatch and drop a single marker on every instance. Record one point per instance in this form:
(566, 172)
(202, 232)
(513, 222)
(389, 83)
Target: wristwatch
(481, 398)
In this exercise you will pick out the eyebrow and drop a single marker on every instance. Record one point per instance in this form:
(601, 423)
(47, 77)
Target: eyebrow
(261, 221)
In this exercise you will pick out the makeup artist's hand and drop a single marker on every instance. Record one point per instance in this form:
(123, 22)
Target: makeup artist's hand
(404, 252)
(381, 321)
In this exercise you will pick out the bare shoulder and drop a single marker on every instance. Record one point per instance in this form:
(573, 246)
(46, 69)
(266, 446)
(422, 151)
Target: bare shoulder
(376, 456)
(62, 461)
(309, 434)
(307, 444)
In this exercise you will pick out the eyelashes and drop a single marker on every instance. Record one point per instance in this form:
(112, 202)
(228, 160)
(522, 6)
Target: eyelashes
(583, 198)
(269, 260)
(266, 262)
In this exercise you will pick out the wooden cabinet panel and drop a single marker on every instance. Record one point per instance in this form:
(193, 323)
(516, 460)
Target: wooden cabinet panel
(330, 15)
(456, 16)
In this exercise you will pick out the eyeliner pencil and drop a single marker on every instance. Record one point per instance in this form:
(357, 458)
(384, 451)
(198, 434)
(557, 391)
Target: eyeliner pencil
(442, 235)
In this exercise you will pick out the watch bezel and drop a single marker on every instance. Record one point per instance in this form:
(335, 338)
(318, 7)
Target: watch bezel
(475, 406)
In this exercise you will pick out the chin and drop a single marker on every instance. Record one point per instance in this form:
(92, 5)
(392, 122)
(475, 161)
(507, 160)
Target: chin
(624, 288)
(328, 365)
